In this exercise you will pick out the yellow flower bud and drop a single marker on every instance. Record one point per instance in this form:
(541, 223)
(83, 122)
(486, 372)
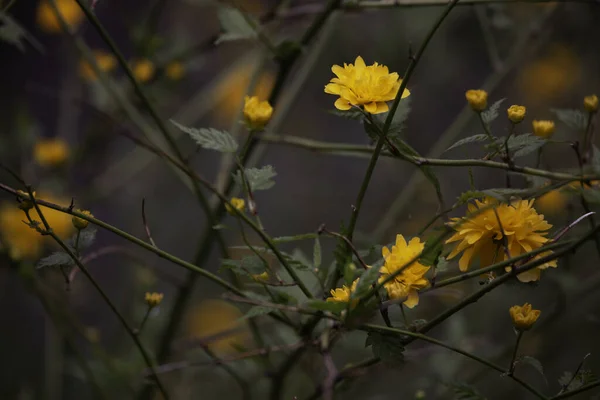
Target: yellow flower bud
(174, 70)
(257, 113)
(105, 61)
(47, 20)
(524, 316)
(25, 204)
(143, 70)
(591, 103)
(477, 99)
(153, 299)
(516, 114)
(543, 129)
(50, 152)
(80, 223)
(237, 203)
(264, 277)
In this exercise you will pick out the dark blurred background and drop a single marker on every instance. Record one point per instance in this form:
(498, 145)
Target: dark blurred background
(542, 55)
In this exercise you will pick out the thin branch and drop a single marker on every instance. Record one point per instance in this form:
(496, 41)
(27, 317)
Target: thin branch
(146, 227)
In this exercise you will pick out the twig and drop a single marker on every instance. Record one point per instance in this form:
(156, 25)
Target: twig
(322, 229)
(145, 221)
(512, 365)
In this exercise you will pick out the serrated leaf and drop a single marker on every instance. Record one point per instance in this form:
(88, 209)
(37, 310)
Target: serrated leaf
(257, 178)
(521, 145)
(366, 280)
(210, 138)
(317, 253)
(350, 114)
(335, 307)
(388, 347)
(250, 265)
(235, 25)
(468, 140)
(468, 196)
(491, 113)
(281, 296)
(57, 259)
(574, 119)
(535, 363)
(504, 194)
(257, 311)
(399, 119)
(86, 239)
(432, 250)
(465, 392)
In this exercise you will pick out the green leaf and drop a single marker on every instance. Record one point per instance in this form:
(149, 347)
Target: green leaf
(468, 196)
(574, 119)
(86, 239)
(210, 138)
(13, 33)
(350, 114)
(387, 347)
(366, 280)
(399, 120)
(468, 140)
(250, 265)
(335, 307)
(491, 113)
(521, 145)
(432, 250)
(317, 253)
(505, 194)
(465, 392)
(57, 259)
(257, 178)
(282, 296)
(442, 264)
(235, 25)
(257, 311)
(535, 363)
(295, 238)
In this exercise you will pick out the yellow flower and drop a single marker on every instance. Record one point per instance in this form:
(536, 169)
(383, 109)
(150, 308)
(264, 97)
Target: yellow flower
(237, 203)
(25, 204)
(50, 152)
(175, 70)
(591, 103)
(553, 202)
(47, 20)
(23, 242)
(481, 235)
(361, 85)
(257, 113)
(105, 61)
(477, 99)
(218, 324)
(80, 223)
(263, 277)
(153, 299)
(143, 70)
(543, 129)
(524, 316)
(342, 295)
(411, 279)
(516, 114)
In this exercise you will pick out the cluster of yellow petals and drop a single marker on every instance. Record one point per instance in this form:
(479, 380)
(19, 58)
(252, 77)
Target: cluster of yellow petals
(105, 61)
(590, 103)
(68, 9)
(543, 129)
(524, 316)
(481, 234)
(516, 113)
(23, 242)
(257, 113)
(236, 203)
(406, 284)
(153, 299)
(477, 99)
(343, 294)
(367, 86)
(50, 152)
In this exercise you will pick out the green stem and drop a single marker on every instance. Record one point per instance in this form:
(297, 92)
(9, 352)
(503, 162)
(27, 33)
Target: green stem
(577, 391)
(512, 365)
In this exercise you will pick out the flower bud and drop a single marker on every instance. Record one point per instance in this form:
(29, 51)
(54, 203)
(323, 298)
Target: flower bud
(591, 103)
(80, 223)
(25, 204)
(153, 299)
(524, 316)
(257, 113)
(516, 114)
(543, 129)
(477, 99)
(237, 203)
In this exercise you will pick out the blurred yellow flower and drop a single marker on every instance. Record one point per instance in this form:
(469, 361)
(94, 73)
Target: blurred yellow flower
(361, 85)
(105, 61)
(47, 20)
(516, 114)
(153, 299)
(143, 70)
(50, 152)
(553, 202)
(477, 99)
(23, 242)
(543, 129)
(524, 316)
(257, 113)
(406, 284)
(237, 203)
(342, 295)
(175, 70)
(263, 277)
(80, 223)
(591, 103)
(218, 325)
(481, 235)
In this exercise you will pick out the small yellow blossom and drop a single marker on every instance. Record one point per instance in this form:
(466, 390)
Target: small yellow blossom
(219, 325)
(237, 203)
(257, 113)
(480, 235)
(591, 103)
(51, 152)
(263, 277)
(175, 70)
(477, 99)
(553, 202)
(543, 129)
(48, 21)
(143, 70)
(524, 316)
(80, 223)
(516, 114)
(406, 284)
(367, 86)
(25, 204)
(106, 62)
(342, 295)
(153, 299)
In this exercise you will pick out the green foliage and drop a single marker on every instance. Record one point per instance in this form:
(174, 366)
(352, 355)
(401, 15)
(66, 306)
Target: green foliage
(522, 145)
(86, 239)
(399, 120)
(366, 280)
(56, 259)
(583, 377)
(465, 392)
(349, 114)
(335, 307)
(489, 115)
(61, 258)
(210, 138)
(250, 265)
(257, 311)
(535, 363)
(236, 26)
(13, 33)
(387, 347)
(468, 140)
(317, 253)
(257, 178)
(574, 119)
(434, 245)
